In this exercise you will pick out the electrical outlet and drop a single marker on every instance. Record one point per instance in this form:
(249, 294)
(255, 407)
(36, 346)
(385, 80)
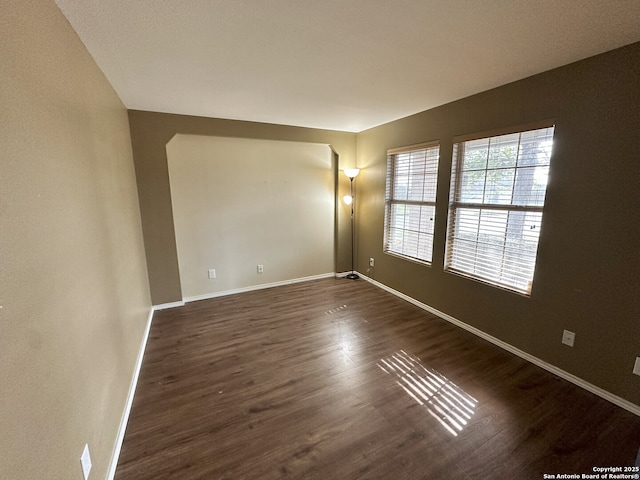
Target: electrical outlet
(212, 273)
(636, 367)
(260, 268)
(371, 262)
(568, 338)
(85, 462)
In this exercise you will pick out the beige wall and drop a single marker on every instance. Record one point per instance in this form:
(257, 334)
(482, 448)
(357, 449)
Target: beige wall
(239, 203)
(151, 132)
(588, 270)
(74, 295)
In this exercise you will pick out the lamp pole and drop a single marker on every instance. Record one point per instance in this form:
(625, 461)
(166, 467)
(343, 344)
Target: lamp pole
(352, 173)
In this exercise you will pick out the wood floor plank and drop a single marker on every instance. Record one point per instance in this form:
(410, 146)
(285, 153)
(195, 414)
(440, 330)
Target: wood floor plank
(336, 379)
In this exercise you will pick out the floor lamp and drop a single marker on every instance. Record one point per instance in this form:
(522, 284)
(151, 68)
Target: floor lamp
(349, 200)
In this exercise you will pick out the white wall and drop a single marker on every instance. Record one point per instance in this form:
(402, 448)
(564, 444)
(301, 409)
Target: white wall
(238, 203)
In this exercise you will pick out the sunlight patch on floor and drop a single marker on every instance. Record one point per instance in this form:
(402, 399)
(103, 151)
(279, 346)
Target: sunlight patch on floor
(450, 405)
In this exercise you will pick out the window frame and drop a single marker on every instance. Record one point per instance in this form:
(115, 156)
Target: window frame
(455, 205)
(392, 199)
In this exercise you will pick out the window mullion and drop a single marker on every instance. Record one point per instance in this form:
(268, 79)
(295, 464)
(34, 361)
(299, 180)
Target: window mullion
(498, 206)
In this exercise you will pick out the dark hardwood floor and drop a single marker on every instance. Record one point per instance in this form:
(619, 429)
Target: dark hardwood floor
(337, 379)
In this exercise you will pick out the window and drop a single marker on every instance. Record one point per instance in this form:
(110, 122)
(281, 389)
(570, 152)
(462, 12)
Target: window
(412, 175)
(498, 187)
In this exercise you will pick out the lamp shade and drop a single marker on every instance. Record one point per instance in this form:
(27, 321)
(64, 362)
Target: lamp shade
(351, 172)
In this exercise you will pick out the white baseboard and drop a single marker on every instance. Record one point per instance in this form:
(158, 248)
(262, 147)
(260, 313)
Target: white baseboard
(164, 306)
(132, 390)
(621, 402)
(252, 288)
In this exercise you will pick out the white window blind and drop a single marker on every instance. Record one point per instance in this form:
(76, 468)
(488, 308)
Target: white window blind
(498, 187)
(412, 175)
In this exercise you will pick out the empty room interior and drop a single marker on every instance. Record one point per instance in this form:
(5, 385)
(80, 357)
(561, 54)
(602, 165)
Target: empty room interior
(337, 240)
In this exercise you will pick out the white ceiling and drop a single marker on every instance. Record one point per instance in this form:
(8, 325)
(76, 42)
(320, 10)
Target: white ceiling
(337, 64)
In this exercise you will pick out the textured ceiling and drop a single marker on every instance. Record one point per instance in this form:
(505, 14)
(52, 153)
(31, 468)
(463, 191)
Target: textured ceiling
(336, 64)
